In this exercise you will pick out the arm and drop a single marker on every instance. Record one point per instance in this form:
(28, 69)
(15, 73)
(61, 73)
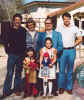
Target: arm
(78, 35)
(41, 58)
(59, 43)
(54, 57)
(78, 41)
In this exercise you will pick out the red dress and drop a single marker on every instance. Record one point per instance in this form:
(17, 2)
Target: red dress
(30, 77)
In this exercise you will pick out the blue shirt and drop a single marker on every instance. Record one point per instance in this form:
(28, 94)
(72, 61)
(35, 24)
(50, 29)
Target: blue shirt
(56, 39)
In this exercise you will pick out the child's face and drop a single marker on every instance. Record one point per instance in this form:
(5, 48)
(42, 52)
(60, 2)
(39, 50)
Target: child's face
(48, 44)
(30, 53)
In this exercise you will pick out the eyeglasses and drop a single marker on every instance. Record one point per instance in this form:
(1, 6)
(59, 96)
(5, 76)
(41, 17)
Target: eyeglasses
(48, 23)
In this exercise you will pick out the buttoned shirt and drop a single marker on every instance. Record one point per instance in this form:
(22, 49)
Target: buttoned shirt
(69, 35)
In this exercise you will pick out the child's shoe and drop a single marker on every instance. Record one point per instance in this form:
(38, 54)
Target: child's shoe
(44, 96)
(50, 95)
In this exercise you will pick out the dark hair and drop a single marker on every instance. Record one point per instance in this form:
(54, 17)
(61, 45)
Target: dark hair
(30, 20)
(67, 15)
(48, 38)
(17, 15)
(53, 21)
(30, 49)
(49, 19)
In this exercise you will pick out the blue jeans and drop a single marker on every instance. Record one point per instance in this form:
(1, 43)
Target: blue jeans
(14, 64)
(66, 64)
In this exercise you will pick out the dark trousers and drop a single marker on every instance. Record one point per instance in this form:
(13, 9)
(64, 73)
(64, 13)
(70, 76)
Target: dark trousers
(30, 88)
(14, 63)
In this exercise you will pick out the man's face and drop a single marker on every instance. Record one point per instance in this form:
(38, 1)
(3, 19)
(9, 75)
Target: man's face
(66, 21)
(48, 25)
(17, 22)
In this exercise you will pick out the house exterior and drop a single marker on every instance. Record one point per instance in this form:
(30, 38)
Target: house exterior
(39, 10)
(77, 12)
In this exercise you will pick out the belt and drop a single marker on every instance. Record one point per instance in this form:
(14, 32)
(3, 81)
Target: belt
(68, 48)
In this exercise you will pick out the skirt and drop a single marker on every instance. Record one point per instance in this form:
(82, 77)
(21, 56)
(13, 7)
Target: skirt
(48, 73)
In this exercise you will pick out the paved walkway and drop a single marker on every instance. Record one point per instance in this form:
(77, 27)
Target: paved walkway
(3, 62)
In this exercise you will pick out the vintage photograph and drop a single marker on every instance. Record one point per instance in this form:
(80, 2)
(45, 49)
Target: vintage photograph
(41, 49)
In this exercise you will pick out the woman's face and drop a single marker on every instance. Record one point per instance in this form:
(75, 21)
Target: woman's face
(48, 44)
(31, 26)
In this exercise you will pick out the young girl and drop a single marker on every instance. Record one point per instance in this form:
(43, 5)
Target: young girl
(30, 67)
(48, 72)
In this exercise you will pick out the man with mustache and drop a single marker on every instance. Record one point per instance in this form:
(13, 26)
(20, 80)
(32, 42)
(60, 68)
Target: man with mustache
(15, 45)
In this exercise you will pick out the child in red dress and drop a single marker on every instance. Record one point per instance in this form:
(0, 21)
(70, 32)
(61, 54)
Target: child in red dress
(30, 67)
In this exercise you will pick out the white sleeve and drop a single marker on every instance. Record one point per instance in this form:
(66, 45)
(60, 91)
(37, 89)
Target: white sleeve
(78, 33)
(58, 29)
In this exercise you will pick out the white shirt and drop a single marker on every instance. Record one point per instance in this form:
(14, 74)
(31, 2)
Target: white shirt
(49, 34)
(69, 34)
(32, 33)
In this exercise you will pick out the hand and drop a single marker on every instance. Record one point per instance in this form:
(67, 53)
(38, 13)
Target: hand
(50, 65)
(41, 65)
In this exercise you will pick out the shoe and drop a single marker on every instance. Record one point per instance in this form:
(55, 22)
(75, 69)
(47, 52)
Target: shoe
(25, 96)
(69, 92)
(3, 96)
(40, 93)
(17, 93)
(36, 95)
(44, 96)
(50, 95)
(55, 94)
(61, 91)
(6, 94)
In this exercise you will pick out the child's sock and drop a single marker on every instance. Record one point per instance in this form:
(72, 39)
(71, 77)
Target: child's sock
(45, 88)
(50, 87)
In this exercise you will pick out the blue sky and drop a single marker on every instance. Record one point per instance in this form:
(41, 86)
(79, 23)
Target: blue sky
(26, 1)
